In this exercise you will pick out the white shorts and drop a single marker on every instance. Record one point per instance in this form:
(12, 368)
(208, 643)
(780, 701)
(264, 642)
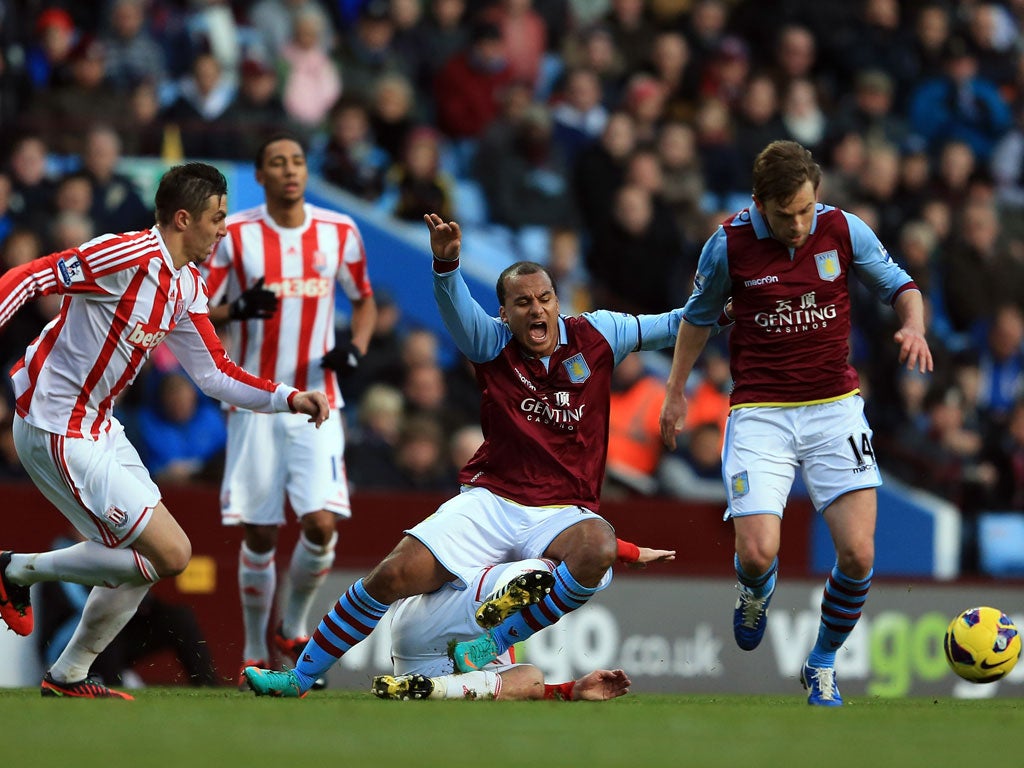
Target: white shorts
(269, 454)
(477, 528)
(101, 486)
(421, 626)
(830, 442)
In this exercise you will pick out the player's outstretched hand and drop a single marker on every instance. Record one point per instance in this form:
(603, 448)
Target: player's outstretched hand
(601, 685)
(648, 555)
(314, 405)
(445, 239)
(255, 303)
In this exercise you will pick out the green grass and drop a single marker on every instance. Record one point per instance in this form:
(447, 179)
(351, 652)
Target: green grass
(200, 727)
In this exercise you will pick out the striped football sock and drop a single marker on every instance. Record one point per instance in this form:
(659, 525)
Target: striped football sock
(567, 595)
(841, 607)
(758, 586)
(353, 618)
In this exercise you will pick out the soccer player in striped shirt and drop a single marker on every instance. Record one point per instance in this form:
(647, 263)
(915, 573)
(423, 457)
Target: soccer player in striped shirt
(278, 269)
(786, 261)
(531, 490)
(122, 296)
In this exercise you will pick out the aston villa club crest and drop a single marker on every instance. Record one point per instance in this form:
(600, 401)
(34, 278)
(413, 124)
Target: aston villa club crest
(828, 265)
(577, 368)
(739, 484)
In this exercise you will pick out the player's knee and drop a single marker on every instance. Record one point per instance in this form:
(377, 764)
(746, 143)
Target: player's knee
(856, 562)
(173, 558)
(260, 538)
(318, 529)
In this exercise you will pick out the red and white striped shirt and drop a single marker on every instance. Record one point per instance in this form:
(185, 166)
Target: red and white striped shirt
(122, 297)
(302, 266)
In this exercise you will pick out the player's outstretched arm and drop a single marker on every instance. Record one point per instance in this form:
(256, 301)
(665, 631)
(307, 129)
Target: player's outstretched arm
(648, 555)
(601, 685)
(445, 238)
(314, 405)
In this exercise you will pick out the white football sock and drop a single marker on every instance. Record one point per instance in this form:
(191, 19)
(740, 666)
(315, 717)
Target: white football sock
(105, 614)
(257, 580)
(470, 685)
(308, 570)
(86, 563)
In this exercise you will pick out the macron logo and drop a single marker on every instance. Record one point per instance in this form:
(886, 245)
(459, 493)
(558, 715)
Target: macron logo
(760, 281)
(146, 336)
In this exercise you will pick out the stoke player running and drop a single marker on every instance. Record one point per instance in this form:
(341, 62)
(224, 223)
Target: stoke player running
(123, 295)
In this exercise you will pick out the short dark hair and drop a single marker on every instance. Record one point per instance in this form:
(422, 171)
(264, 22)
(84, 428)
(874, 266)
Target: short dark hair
(521, 268)
(781, 169)
(188, 187)
(277, 136)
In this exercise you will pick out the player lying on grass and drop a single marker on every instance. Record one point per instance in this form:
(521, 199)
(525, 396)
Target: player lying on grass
(423, 627)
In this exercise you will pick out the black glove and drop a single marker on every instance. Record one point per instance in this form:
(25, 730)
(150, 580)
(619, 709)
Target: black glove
(343, 359)
(255, 302)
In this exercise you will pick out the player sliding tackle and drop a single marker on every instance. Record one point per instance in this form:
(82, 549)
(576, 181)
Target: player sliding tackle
(422, 627)
(532, 490)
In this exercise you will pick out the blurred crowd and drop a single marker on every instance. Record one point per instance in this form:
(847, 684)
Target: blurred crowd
(605, 138)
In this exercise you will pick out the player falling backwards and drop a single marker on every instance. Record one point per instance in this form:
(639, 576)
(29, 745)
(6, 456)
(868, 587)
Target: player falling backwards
(531, 490)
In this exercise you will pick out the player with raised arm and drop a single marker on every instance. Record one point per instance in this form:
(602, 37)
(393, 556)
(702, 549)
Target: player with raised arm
(533, 487)
(423, 626)
(123, 295)
(278, 270)
(786, 261)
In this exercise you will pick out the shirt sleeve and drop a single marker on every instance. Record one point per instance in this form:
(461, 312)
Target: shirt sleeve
(630, 333)
(712, 283)
(872, 263)
(63, 273)
(196, 345)
(478, 336)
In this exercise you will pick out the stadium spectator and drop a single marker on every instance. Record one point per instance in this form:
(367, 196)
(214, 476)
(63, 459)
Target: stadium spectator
(600, 170)
(133, 54)
(802, 117)
(371, 444)
(368, 50)
(524, 36)
(693, 471)
(351, 158)
(634, 440)
(1001, 364)
(756, 120)
(278, 271)
(200, 109)
(48, 56)
(443, 33)
(392, 113)
(416, 183)
(578, 116)
(468, 87)
(257, 109)
(181, 431)
(32, 188)
(632, 32)
(6, 219)
(980, 269)
(274, 21)
(677, 72)
(141, 126)
(959, 105)
(116, 205)
(382, 363)
(67, 383)
(311, 82)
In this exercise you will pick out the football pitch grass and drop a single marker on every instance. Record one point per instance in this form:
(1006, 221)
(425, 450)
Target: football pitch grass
(221, 727)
